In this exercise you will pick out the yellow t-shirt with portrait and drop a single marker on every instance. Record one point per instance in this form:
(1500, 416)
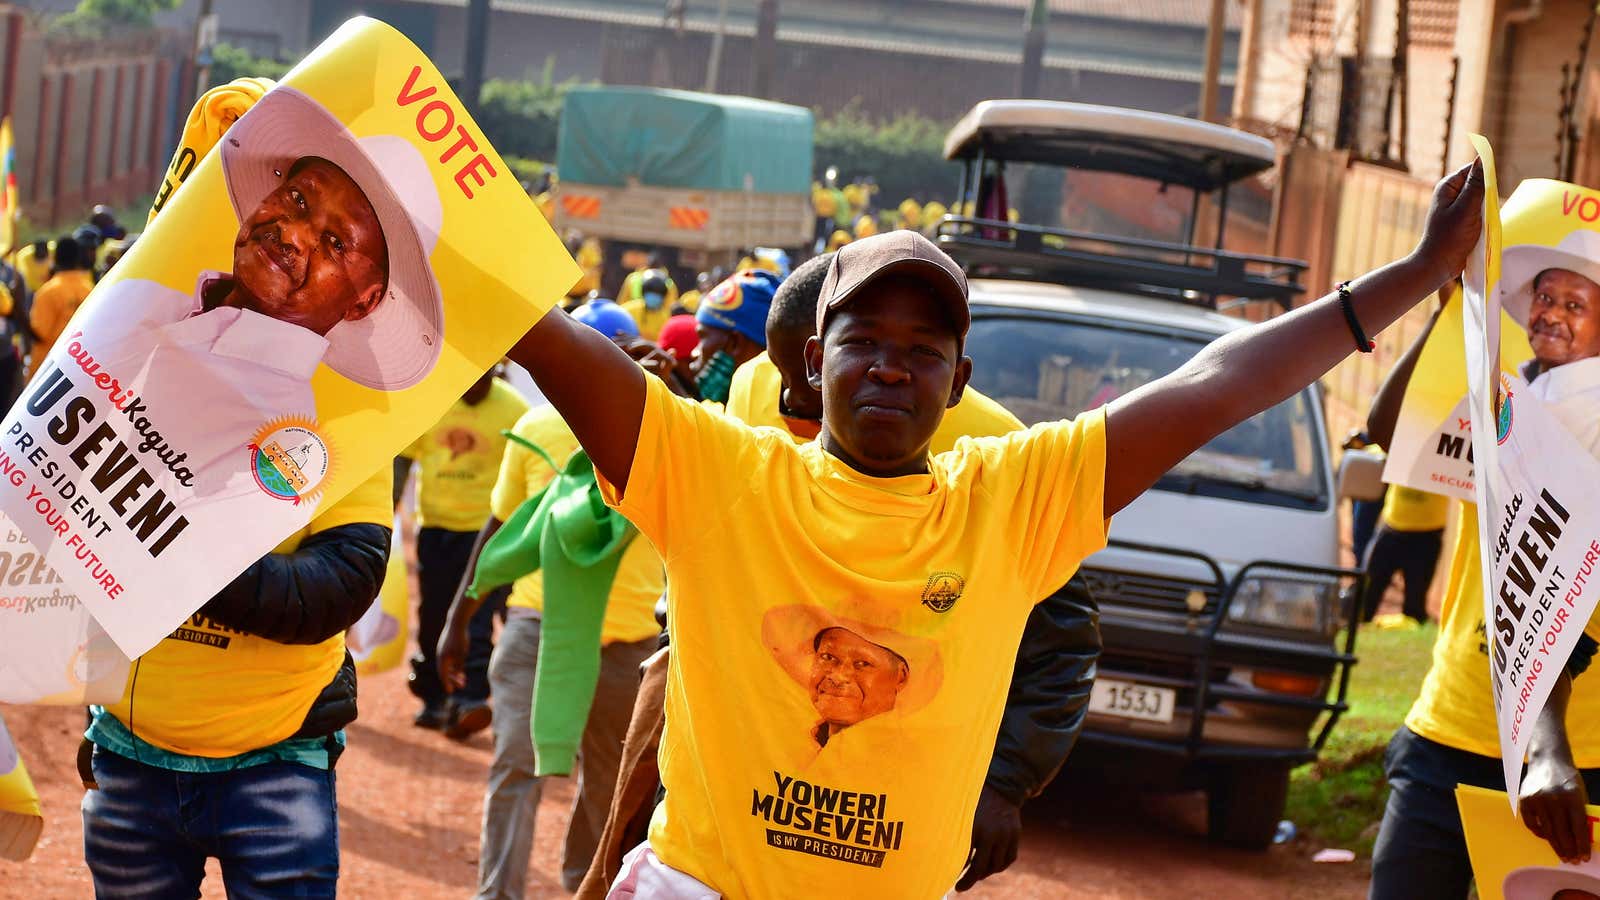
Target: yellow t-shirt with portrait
(753, 400)
(208, 690)
(459, 459)
(631, 606)
(1408, 509)
(842, 644)
(1456, 706)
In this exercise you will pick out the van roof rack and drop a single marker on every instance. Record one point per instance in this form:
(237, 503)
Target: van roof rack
(1165, 148)
(1197, 276)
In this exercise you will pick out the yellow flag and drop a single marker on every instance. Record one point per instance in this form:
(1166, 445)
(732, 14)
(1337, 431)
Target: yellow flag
(8, 188)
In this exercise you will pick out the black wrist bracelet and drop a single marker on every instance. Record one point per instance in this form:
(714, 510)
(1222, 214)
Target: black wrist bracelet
(1363, 343)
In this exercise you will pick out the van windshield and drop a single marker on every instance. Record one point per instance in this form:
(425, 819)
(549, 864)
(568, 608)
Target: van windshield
(1047, 369)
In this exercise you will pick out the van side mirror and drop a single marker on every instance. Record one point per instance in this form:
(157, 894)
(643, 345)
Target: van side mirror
(1361, 475)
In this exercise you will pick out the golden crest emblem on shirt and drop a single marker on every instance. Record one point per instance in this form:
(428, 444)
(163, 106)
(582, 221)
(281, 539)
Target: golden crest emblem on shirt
(942, 591)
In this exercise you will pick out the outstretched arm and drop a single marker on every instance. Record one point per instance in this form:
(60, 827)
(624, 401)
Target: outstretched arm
(1152, 429)
(596, 387)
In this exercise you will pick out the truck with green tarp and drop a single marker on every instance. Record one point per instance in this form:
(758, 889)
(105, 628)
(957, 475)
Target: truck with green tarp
(695, 177)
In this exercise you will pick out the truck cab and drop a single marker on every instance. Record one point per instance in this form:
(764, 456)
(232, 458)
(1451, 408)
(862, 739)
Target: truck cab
(1226, 646)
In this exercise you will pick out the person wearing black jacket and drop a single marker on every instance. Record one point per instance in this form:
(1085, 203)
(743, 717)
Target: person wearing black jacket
(1045, 708)
(224, 741)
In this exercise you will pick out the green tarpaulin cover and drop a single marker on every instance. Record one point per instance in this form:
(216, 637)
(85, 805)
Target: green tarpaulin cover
(682, 139)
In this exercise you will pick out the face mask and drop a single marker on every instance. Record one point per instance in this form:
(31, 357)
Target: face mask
(654, 301)
(716, 377)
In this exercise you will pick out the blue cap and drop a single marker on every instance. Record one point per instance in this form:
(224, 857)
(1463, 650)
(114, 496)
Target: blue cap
(740, 303)
(607, 318)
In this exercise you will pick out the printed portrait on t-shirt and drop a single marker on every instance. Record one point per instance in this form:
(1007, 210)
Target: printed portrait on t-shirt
(851, 671)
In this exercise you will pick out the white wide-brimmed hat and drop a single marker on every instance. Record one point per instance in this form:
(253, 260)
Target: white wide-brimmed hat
(397, 343)
(1520, 264)
(1542, 882)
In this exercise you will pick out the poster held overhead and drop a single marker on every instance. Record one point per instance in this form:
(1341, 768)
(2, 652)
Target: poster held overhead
(323, 286)
(1537, 485)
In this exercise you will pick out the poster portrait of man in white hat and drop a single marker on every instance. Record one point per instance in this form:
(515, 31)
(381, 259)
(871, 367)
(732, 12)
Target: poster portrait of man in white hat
(1554, 293)
(329, 266)
(851, 670)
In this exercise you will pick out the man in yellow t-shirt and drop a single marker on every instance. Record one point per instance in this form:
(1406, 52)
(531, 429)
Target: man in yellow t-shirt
(458, 459)
(1046, 704)
(58, 298)
(628, 635)
(33, 263)
(224, 742)
(649, 296)
(770, 546)
(1408, 540)
(1450, 736)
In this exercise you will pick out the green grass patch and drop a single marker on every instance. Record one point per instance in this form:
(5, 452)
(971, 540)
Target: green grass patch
(1338, 800)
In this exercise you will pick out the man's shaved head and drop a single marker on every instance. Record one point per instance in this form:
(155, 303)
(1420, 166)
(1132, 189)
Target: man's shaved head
(791, 321)
(794, 306)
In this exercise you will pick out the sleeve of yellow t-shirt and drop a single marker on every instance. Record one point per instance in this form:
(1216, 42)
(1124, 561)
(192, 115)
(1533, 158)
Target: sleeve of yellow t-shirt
(1057, 473)
(686, 466)
(7, 302)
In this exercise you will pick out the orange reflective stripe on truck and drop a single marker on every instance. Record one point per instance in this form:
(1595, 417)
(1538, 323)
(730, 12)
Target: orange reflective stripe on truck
(693, 218)
(580, 206)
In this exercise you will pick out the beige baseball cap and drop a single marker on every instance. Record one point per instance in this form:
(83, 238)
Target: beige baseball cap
(904, 253)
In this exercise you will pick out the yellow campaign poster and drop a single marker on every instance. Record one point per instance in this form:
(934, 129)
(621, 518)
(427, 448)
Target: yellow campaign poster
(1510, 863)
(1535, 439)
(1432, 446)
(20, 818)
(349, 257)
(377, 641)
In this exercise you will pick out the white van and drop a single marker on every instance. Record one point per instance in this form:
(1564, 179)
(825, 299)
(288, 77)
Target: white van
(1226, 655)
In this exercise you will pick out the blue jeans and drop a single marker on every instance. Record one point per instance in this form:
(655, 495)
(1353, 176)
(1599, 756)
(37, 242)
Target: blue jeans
(147, 832)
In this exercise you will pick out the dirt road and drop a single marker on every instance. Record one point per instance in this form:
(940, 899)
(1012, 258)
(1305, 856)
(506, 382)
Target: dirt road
(409, 811)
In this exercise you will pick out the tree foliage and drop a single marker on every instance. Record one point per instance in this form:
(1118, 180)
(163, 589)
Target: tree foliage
(229, 62)
(98, 16)
(905, 156)
(522, 117)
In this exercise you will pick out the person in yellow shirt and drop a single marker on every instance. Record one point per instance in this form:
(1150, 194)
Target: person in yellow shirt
(1408, 540)
(58, 298)
(1450, 735)
(911, 214)
(649, 295)
(861, 527)
(1046, 705)
(458, 460)
(932, 214)
(32, 262)
(628, 635)
(224, 741)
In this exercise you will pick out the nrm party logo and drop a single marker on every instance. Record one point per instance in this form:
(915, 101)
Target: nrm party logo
(289, 459)
(1502, 418)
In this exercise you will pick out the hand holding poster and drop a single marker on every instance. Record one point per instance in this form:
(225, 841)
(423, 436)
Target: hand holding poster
(1538, 485)
(346, 262)
(1510, 863)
